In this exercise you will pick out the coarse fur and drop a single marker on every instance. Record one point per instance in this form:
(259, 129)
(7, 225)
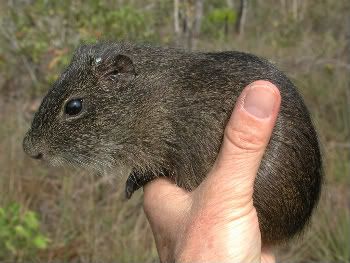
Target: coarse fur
(162, 111)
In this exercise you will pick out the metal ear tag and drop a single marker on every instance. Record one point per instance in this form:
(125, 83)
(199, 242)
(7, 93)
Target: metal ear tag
(98, 60)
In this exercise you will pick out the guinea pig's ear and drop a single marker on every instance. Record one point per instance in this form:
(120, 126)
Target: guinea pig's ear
(113, 67)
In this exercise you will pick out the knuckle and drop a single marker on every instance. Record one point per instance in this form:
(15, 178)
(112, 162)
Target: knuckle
(247, 139)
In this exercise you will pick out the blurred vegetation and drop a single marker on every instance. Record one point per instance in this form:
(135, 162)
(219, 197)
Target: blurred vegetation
(19, 233)
(216, 22)
(84, 216)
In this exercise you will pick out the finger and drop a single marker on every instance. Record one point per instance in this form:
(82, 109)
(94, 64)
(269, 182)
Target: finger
(165, 205)
(163, 197)
(246, 136)
(267, 256)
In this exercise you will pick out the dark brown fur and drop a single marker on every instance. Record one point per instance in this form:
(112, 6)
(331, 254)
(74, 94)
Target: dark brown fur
(162, 111)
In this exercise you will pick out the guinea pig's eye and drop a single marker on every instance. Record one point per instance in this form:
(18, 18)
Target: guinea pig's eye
(73, 107)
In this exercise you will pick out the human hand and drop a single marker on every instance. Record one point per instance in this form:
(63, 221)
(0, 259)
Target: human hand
(217, 222)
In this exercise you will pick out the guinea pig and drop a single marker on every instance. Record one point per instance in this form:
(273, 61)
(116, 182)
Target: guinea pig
(162, 112)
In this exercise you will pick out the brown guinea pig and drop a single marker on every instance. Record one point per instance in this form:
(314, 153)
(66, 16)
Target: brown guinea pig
(162, 112)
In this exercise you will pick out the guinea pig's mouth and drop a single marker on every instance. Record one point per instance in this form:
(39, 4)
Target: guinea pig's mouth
(102, 163)
(31, 148)
(39, 150)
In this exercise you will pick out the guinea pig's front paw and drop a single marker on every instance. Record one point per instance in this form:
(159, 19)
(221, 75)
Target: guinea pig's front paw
(131, 185)
(136, 180)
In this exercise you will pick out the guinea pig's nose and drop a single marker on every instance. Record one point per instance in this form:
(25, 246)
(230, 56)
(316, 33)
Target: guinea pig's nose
(30, 149)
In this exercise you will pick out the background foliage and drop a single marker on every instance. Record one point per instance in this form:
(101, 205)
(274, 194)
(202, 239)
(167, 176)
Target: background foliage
(62, 215)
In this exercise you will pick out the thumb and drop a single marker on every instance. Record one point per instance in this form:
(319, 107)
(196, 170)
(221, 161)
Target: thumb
(245, 139)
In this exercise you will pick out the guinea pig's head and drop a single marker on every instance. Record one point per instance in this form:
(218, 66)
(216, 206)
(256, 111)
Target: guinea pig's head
(74, 121)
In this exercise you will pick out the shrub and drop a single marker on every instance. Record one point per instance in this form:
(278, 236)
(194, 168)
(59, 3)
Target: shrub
(20, 236)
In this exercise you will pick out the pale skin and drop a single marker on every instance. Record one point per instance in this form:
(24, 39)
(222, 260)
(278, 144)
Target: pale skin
(217, 222)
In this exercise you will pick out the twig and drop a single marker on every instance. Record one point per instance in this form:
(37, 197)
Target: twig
(13, 41)
(341, 145)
